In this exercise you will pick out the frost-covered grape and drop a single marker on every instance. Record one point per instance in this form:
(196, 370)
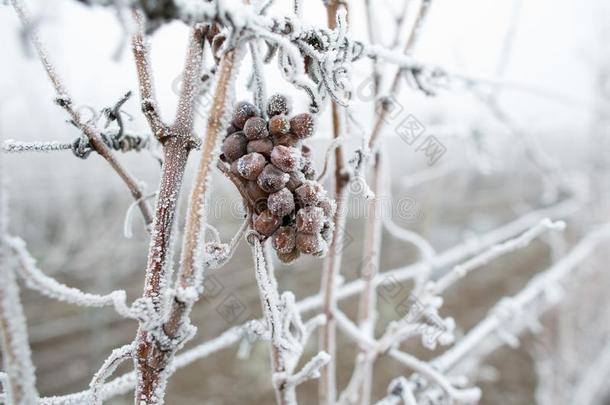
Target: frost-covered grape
(284, 239)
(263, 146)
(310, 220)
(256, 128)
(231, 129)
(306, 152)
(327, 231)
(309, 193)
(242, 112)
(302, 125)
(328, 206)
(266, 223)
(234, 168)
(286, 140)
(278, 104)
(279, 125)
(272, 179)
(289, 257)
(234, 146)
(281, 202)
(286, 158)
(251, 165)
(296, 180)
(257, 195)
(310, 244)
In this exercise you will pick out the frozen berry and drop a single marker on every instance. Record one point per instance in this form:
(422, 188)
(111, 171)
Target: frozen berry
(263, 146)
(306, 151)
(256, 128)
(257, 195)
(234, 168)
(296, 179)
(286, 140)
(327, 231)
(289, 257)
(309, 193)
(278, 104)
(302, 125)
(309, 172)
(281, 202)
(310, 220)
(272, 179)
(310, 244)
(234, 146)
(284, 239)
(279, 125)
(266, 223)
(328, 206)
(286, 158)
(243, 111)
(251, 165)
(231, 128)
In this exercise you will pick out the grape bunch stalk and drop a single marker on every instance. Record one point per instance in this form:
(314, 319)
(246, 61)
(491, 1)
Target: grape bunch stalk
(273, 165)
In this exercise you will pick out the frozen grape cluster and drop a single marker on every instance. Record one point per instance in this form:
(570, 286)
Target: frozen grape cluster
(268, 155)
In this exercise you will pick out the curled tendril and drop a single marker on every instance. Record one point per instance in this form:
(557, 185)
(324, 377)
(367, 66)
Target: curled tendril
(81, 146)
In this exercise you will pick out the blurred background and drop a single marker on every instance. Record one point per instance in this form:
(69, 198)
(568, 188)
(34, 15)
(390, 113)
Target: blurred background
(526, 128)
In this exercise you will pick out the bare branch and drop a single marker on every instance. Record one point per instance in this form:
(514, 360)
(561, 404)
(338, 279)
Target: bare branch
(65, 101)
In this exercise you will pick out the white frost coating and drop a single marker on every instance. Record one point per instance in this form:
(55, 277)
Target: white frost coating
(12, 146)
(37, 280)
(127, 224)
(20, 377)
(125, 383)
(400, 390)
(520, 242)
(470, 395)
(535, 290)
(467, 396)
(110, 365)
(288, 332)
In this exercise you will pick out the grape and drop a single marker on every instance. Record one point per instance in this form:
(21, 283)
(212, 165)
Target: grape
(266, 223)
(286, 158)
(279, 125)
(251, 165)
(302, 125)
(327, 231)
(309, 193)
(310, 244)
(256, 128)
(281, 202)
(263, 146)
(234, 168)
(242, 112)
(272, 179)
(286, 140)
(296, 179)
(284, 239)
(234, 146)
(231, 128)
(328, 206)
(310, 220)
(289, 257)
(278, 104)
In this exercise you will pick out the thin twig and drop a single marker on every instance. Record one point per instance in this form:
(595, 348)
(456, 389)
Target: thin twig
(65, 101)
(327, 387)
